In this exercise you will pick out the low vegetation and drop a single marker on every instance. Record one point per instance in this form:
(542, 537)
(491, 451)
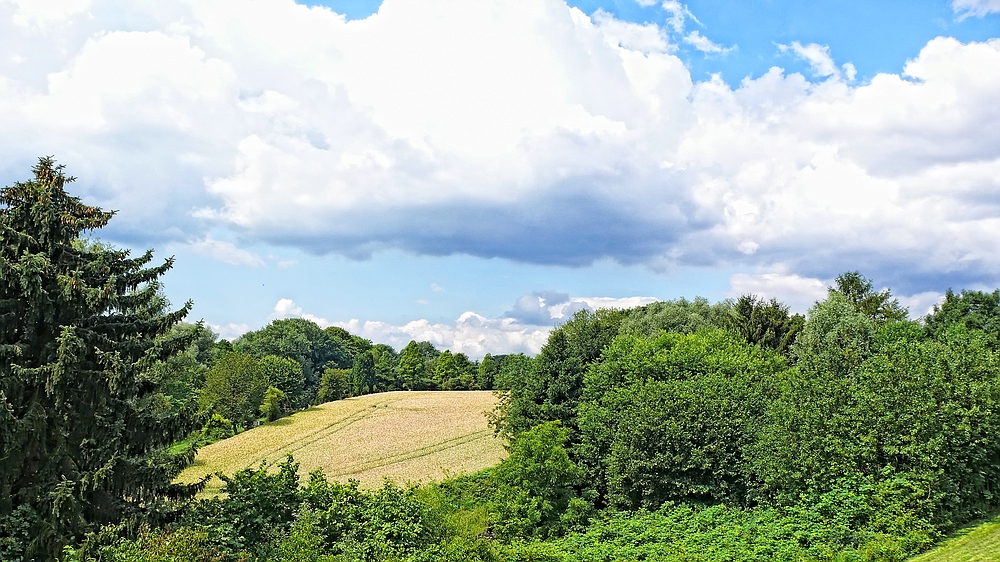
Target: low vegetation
(980, 543)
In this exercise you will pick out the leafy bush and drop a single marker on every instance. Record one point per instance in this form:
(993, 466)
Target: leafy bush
(390, 521)
(536, 486)
(675, 417)
(258, 505)
(165, 545)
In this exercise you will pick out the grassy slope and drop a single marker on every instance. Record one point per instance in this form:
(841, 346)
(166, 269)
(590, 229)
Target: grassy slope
(975, 544)
(405, 436)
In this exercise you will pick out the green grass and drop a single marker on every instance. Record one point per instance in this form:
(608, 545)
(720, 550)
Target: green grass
(973, 544)
(404, 436)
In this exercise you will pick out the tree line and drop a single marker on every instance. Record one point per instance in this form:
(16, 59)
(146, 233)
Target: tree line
(291, 364)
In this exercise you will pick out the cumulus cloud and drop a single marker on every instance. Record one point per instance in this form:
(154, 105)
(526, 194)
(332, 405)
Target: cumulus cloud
(39, 12)
(286, 308)
(471, 334)
(528, 131)
(798, 292)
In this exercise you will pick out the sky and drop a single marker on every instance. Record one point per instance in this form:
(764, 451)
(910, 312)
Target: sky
(472, 172)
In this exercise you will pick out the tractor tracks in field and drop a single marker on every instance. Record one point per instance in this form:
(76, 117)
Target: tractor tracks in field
(412, 454)
(339, 424)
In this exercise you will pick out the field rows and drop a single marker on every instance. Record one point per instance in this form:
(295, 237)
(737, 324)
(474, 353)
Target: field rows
(403, 436)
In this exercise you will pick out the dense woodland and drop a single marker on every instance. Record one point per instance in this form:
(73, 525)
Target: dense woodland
(680, 430)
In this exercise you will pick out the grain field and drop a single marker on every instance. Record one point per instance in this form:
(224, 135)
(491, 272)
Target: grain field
(403, 436)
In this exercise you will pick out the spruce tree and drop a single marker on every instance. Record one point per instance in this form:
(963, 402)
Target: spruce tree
(83, 426)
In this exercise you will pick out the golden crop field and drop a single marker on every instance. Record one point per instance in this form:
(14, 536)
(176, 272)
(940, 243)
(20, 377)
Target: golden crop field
(405, 436)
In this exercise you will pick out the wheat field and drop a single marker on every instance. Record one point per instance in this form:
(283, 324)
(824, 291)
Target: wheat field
(408, 437)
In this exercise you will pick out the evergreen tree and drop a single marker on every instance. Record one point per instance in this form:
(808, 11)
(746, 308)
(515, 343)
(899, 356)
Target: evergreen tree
(83, 424)
(764, 323)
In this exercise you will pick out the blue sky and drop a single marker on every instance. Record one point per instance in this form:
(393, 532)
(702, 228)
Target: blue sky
(470, 173)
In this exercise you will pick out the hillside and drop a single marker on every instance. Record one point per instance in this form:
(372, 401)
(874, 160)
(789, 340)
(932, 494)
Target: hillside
(974, 544)
(405, 436)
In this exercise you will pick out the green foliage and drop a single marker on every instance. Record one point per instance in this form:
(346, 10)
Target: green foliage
(411, 371)
(334, 385)
(285, 375)
(536, 485)
(681, 315)
(216, 428)
(355, 345)
(304, 542)
(551, 390)
(859, 291)
(764, 323)
(235, 387)
(258, 505)
(512, 372)
(835, 340)
(83, 418)
(181, 376)
(486, 373)
(370, 525)
(975, 310)
(689, 532)
(674, 418)
(301, 340)
(275, 401)
(385, 361)
(891, 399)
(363, 374)
(454, 371)
(164, 545)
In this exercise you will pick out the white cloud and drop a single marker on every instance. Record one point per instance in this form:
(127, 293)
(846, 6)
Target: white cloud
(230, 331)
(225, 252)
(645, 38)
(798, 292)
(818, 57)
(41, 12)
(548, 308)
(471, 333)
(679, 13)
(286, 308)
(921, 304)
(975, 8)
(524, 130)
(704, 44)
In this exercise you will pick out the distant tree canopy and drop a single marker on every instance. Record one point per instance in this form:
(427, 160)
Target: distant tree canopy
(83, 418)
(302, 341)
(975, 310)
